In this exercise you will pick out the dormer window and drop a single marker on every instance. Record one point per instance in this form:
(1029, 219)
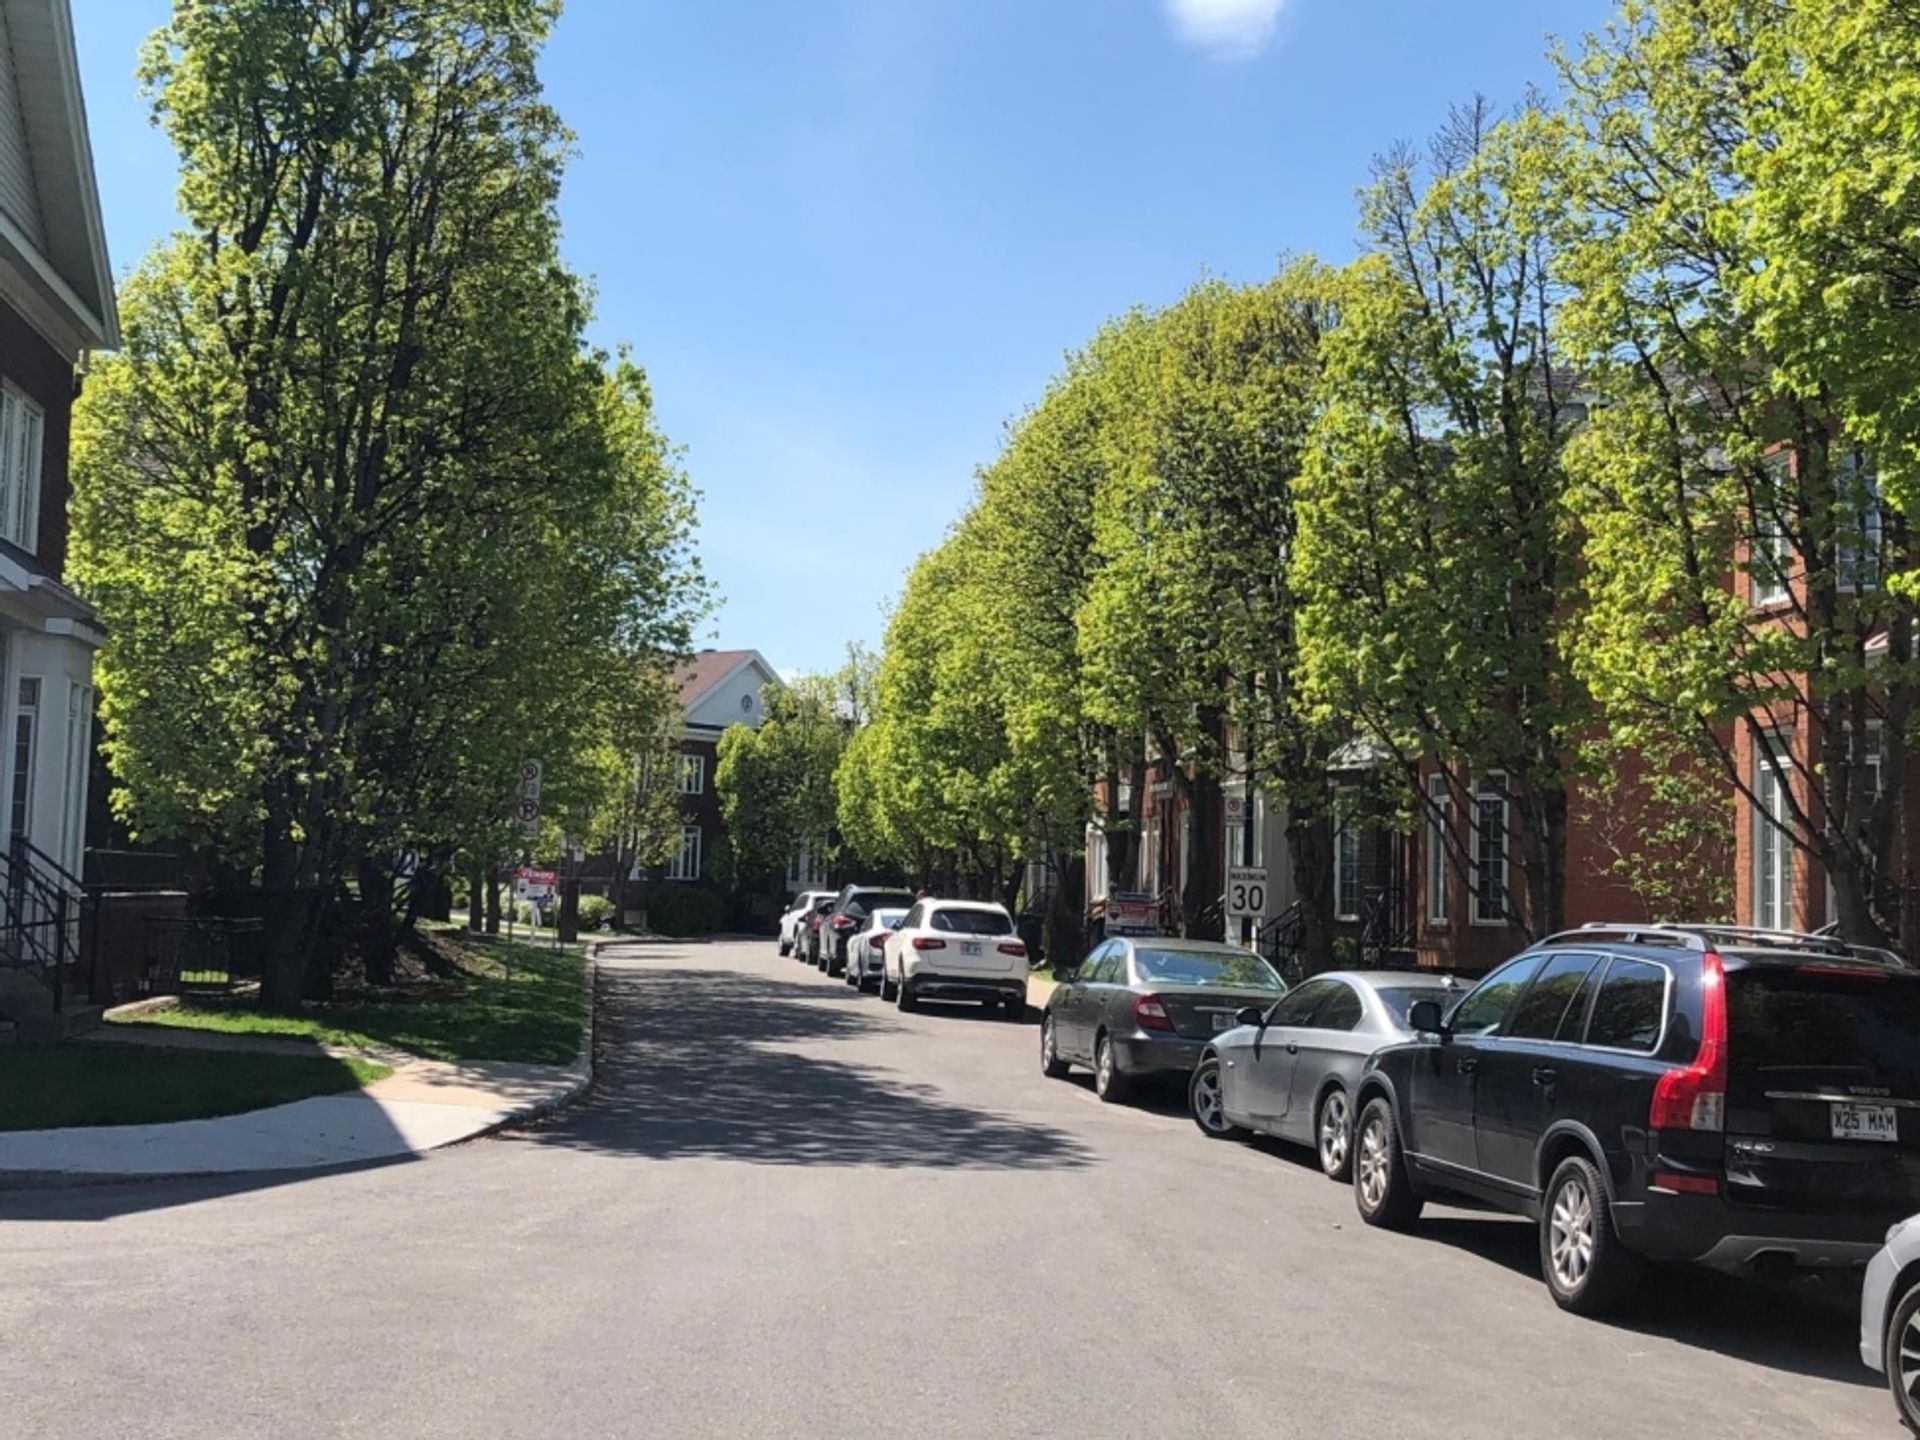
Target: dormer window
(23, 427)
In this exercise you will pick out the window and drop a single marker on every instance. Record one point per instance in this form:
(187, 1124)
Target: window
(1770, 552)
(1539, 1014)
(1490, 851)
(1858, 522)
(1346, 865)
(1225, 967)
(1772, 849)
(1487, 1003)
(22, 430)
(26, 725)
(73, 794)
(1439, 818)
(1111, 967)
(1297, 1009)
(972, 922)
(1150, 856)
(693, 774)
(686, 865)
(1630, 1008)
(1342, 1010)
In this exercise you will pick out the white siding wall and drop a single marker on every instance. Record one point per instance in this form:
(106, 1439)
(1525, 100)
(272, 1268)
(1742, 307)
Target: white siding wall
(720, 707)
(58, 806)
(17, 199)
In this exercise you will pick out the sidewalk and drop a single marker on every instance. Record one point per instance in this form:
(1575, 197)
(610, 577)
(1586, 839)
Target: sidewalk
(421, 1106)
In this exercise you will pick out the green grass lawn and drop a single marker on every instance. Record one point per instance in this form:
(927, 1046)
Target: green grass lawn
(141, 1084)
(511, 1001)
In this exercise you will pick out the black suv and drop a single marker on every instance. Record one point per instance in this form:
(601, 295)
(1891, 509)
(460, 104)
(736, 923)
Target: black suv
(1663, 1093)
(848, 913)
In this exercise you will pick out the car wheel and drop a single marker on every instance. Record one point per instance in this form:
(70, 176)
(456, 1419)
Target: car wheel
(1110, 1082)
(1587, 1269)
(888, 990)
(1015, 1010)
(1333, 1135)
(906, 999)
(1902, 1357)
(1051, 1065)
(786, 948)
(1206, 1105)
(1382, 1189)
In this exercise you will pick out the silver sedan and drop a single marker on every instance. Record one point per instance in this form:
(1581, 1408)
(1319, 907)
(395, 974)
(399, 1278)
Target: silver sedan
(1290, 1072)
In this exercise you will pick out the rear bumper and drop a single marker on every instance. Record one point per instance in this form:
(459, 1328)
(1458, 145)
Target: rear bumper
(1708, 1230)
(927, 985)
(1147, 1053)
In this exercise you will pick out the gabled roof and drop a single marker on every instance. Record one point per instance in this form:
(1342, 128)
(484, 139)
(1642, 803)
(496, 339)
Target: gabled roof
(708, 669)
(65, 270)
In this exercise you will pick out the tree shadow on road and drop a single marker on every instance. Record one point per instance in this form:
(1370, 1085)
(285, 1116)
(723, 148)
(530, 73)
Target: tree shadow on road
(1804, 1327)
(693, 1063)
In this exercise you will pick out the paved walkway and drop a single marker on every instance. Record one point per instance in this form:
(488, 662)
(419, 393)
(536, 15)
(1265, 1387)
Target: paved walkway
(422, 1105)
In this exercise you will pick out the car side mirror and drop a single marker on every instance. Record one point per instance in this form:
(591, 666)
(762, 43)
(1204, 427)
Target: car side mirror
(1063, 973)
(1425, 1015)
(1250, 1015)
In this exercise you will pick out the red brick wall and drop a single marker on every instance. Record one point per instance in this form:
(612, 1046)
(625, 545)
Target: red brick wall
(46, 376)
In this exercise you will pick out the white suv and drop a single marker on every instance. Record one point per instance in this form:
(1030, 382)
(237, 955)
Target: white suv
(956, 950)
(803, 904)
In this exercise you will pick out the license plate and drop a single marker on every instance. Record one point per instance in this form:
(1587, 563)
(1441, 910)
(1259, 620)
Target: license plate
(1865, 1122)
(969, 947)
(1222, 1021)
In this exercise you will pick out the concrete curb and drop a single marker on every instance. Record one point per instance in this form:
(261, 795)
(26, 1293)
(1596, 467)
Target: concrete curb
(579, 1076)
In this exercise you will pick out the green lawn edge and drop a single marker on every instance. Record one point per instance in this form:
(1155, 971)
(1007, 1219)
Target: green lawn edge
(72, 1085)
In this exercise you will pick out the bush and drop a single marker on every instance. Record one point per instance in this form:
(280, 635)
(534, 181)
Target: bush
(678, 910)
(596, 912)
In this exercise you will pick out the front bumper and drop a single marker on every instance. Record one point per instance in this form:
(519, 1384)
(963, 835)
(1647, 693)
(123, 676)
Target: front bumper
(929, 985)
(1708, 1230)
(1146, 1052)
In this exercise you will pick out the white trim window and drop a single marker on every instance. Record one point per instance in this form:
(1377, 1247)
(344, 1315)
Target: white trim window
(686, 864)
(1859, 523)
(1346, 863)
(26, 747)
(1770, 551)
(693, 774)
(1772, 843)
(1439, 821)
(23, 428)
(1490, 850)
(1149, 867)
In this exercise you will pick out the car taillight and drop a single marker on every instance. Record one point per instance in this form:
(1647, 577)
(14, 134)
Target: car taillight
(1694, 1097)
(814, 924)
(928, 942)
(843, 922)
(1012, 947)
(878, 942)
(1150, 1014)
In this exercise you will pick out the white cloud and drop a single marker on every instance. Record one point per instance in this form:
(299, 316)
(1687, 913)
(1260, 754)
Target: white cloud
(1226, 29)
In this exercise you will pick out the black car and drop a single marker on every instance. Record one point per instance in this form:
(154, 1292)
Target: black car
(1668, 1093)
(846, 916)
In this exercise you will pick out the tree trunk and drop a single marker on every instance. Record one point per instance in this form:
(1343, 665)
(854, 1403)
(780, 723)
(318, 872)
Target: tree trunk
(1543, 846)
(492, 889)
(379, 939)
(1310, 851)
(476, 900)
(1064, 929)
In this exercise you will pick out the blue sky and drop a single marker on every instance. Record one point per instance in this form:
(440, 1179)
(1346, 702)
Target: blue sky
(849, 239)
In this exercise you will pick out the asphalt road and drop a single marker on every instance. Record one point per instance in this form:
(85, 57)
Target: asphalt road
(787, 1210)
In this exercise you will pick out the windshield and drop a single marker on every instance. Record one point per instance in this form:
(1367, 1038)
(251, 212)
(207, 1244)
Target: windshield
(1399, 998)
(1236, 969)
(972, 922)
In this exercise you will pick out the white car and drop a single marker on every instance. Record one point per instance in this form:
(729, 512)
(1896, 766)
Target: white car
(867, 949)
(956, 950)
(1890, 1317)
(803, 904)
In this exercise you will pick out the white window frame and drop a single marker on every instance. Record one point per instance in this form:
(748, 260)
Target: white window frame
(1771, 897)
(1770, 551)
(23, 438)
(1346, 845)
(685, 864)
(1439, 819)
(1492, 788)
(693, 774)
(73, 797)
(1096, 863)
(1149, 867)
(19, 804)
(1857, 567)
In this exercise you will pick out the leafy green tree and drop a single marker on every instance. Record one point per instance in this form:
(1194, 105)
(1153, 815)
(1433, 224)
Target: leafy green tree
(1738, 551)
(1435, 575)
(354, 478)
(776, 783)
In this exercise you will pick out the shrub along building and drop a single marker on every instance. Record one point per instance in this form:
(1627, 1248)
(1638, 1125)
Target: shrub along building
(56, 305)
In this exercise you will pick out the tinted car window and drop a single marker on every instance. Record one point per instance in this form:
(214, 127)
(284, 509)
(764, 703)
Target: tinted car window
(1487, 1003)
(972, 922)
(1298, 1007)
(1229, 969)
(822, 905)
(862, 901)
(887, 919)
(1573, 1023)
(1341, 1011)
(1630, 1006)
(1824, 1018)
(1538, 1015)
(1399, 998)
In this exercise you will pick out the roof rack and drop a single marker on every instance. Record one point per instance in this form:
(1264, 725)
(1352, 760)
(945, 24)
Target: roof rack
(1650, 934)
(1705, 937)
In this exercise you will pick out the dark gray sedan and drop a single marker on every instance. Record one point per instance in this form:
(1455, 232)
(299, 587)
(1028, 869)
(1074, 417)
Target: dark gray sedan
(1147, 1005)
(1292, 1072)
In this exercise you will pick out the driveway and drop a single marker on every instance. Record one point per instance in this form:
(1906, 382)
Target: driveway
(788, 1210)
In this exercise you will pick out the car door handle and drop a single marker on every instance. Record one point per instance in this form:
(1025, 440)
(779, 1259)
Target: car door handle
(1292, 1048)
(1468, 1064)
(1545, 1075)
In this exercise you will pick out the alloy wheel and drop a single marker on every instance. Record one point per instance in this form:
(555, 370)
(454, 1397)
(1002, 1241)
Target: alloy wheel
(1103, 1067)
(1048, 1054)
(1207, 1108)
(1374, 1163)
(1910, 1362)
(1570, 1236)
(1336, 1132)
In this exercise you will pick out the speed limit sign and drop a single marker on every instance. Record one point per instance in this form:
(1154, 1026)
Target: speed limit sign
(1247, 892)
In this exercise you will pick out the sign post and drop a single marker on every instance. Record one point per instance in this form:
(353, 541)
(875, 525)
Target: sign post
(1247, 893)
(526, 805)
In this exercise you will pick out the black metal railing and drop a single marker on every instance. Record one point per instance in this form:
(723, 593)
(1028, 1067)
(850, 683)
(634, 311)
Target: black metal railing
(39, 918)
(200, 954)
(1278, 942)
(1385, 926)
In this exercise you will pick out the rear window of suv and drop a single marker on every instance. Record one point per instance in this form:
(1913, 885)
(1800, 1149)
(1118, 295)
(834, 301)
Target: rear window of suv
(863, 903)
(971, 922)
(1817, 1018)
